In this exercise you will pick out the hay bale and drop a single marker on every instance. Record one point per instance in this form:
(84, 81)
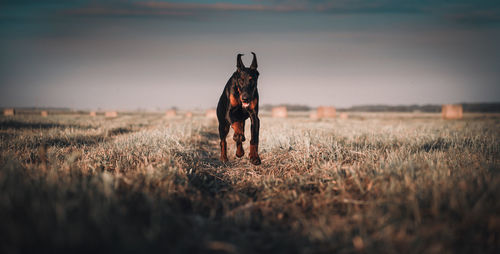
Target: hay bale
(189, 114)
(44, 113)
(9, 112)
(170, 113)
(111, 114)
(326, 112)
(279, 112)
(92, 113)
(343, 115)
(452, 111)
(211, 113)
(313, 115)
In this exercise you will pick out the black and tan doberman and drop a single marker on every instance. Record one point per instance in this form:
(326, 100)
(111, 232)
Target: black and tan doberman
(238, 102)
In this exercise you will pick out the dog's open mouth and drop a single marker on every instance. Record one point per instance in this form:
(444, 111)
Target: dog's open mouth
(245, 104)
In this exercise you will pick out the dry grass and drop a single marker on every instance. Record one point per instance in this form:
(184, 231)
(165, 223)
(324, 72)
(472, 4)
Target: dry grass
(211, 113)
(144, 183)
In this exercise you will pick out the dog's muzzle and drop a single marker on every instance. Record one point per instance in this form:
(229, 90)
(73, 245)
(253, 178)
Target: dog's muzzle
(245, 100)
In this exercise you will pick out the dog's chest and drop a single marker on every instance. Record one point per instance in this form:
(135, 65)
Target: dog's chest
(237, 114)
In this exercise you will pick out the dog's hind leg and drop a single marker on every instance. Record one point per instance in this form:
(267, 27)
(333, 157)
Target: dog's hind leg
(239, 137)
(223, 131)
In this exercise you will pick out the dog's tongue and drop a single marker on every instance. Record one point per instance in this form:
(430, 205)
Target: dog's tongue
(245, 104)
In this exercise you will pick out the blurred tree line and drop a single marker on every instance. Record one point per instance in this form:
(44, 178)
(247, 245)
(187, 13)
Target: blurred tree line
(428, 108)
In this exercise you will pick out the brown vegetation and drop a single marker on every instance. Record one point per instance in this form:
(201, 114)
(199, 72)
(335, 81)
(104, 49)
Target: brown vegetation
(44, 113)
(392, 183)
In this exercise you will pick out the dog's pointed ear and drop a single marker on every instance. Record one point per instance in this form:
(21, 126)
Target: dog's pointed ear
(239, 63)
(254, 62)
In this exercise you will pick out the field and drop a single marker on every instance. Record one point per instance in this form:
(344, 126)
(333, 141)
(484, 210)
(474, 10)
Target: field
(373, 183)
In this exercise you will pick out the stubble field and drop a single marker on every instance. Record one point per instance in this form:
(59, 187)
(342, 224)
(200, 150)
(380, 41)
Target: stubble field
(373, 183)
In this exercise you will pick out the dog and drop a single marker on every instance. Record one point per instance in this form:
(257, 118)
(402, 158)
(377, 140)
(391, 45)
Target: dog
(238, 102)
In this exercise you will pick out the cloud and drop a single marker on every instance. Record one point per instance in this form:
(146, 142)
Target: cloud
(126, 11)
(153, 8)
(477, 17)
(477, 12)
(162, 8)
(218, 6)
(458, 11)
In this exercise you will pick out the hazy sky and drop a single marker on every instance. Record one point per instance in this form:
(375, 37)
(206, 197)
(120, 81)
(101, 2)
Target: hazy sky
(157, 54)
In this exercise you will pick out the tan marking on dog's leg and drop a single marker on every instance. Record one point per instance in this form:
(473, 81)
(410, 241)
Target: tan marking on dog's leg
(254, 155)
(253, 103)
(239, 137)
(223, 151)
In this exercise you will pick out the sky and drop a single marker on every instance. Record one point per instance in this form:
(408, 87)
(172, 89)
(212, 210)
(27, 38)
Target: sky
(146, 54)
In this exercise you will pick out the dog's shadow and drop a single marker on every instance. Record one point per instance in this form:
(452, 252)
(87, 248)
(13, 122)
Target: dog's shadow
(207, 153)
(209, 150)
(211, 143)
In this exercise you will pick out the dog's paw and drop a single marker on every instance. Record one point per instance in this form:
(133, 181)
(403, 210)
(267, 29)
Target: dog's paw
(223, 159)
(255, 160)
(240, 152)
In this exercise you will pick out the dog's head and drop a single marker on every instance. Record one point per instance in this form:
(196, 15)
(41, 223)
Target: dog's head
(245, 81)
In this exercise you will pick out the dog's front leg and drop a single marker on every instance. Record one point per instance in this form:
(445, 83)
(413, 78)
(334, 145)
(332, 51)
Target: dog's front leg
(254, 141)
